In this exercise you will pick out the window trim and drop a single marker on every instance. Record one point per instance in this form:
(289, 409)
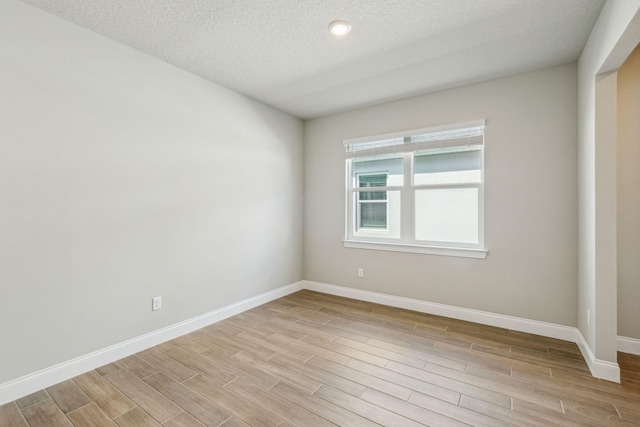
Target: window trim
(407, 241)
(480, 253)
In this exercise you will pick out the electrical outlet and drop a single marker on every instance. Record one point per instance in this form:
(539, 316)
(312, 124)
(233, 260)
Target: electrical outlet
(589, 317)
(361, 272)
(156, 303)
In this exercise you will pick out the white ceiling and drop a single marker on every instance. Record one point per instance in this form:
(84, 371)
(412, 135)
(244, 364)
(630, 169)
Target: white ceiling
(280, 52)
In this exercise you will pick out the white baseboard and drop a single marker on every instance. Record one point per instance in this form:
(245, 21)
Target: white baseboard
(31, 383)
(28, 384)
(629, 345)
(599, 368)
(551, 330)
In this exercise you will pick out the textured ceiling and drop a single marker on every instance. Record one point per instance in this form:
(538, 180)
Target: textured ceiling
(280, 52)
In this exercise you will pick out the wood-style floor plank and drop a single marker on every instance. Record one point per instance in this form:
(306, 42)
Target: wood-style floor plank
(366, 380)
(45, 414)
(242, 370)
(410, 382)
(305, 346)
(136, 418)
(446, 409)
(200, 365)
(310, 359)
(240, 408)
(323, 408)
(375, 413)
(235, 422)
(107, 369)
(68, 396)
(183, 419)
(106, 396)
(204, 410)
(279, 372)
(501, 413)
(146, 397)
(281, 407)
(168, 365)
(32, 398)
(329, 378)
(10, 416)
(90, 416)
(345, 350)
(137, 366)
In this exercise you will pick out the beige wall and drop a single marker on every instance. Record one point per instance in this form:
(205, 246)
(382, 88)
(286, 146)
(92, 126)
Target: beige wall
(530, 197)
(123, 178)
(629, 197)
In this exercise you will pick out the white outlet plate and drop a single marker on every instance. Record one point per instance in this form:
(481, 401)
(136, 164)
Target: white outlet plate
(361, 272)
(156, 303)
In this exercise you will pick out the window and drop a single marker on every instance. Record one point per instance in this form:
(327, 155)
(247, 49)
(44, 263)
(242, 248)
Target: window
(417, 191)
(372, 205)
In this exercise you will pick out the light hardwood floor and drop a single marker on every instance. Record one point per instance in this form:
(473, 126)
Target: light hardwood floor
(311, 359)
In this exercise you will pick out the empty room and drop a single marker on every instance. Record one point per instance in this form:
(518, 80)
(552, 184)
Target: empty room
(319, 213)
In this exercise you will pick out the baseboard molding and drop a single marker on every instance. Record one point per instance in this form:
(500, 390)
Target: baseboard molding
(551, 330)
(629, 345)
(28, 384)
(31, 383)
(599, 368)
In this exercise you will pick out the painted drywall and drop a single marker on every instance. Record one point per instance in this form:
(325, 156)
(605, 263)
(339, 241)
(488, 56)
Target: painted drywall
(596, 267)
(530, 199)
(605, 215)
(123, 178)
(628, 195)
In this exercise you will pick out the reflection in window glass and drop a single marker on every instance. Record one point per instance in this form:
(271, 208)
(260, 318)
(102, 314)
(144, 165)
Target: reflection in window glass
(390, 165)
(448, 166)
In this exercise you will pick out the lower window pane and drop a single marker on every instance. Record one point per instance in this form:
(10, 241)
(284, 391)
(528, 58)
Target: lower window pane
(377, 216)
(447, 215)
(373, 215)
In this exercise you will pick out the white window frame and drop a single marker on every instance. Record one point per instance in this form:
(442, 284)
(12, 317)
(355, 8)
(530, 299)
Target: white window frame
(406, 242)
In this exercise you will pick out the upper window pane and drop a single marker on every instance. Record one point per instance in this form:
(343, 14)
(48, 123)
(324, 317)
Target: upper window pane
(372, 180)
(391, 166)
(448, 166)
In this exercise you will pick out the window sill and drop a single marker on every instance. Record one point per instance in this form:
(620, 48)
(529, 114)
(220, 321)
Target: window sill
(418, 249)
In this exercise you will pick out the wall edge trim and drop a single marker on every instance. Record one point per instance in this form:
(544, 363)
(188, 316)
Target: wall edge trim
(629, 345)
(551, 330)
(30, 383)
(599, 368)
(19, 387)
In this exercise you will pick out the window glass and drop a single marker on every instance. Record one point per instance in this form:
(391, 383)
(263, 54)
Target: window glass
(376, 214)
(373, 215)
(448, 166)
(447, 215)
(390, 165)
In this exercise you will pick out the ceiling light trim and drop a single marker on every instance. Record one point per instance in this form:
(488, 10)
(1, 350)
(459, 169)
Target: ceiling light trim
(339, 28)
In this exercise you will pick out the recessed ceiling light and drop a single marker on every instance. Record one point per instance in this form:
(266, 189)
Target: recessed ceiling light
(339, 28)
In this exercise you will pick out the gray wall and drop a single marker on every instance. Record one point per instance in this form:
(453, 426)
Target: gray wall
(123, 178)
(628, 169)
(530, 198)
